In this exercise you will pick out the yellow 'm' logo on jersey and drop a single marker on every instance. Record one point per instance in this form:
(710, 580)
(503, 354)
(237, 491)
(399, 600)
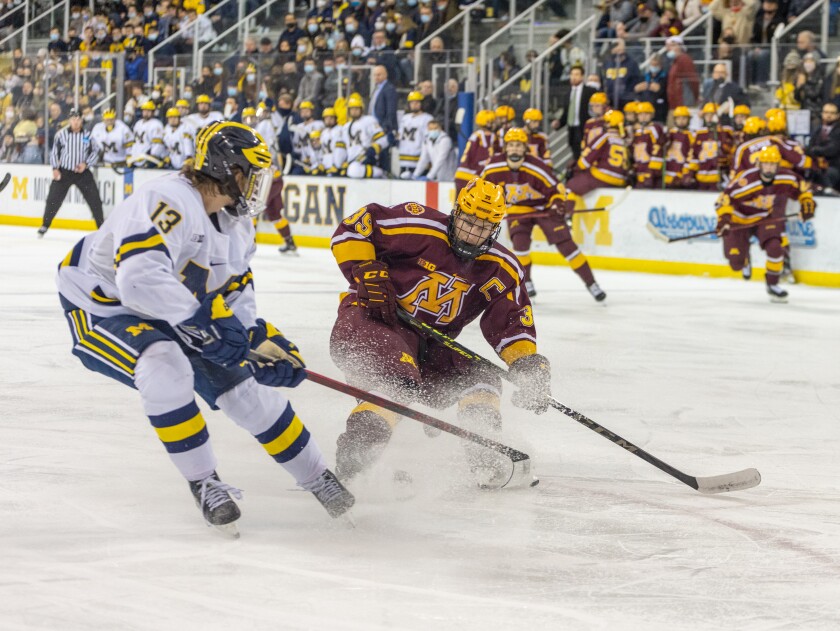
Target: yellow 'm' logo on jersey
(762, 202)
(138, 329)
(440, 294)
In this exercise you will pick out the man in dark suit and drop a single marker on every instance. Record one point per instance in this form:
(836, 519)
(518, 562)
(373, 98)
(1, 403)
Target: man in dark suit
(576, 109)
(824, 147)
(383, 107)
(719, 90)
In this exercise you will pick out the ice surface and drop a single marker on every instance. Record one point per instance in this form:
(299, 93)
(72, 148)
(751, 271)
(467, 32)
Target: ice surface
(98, 531)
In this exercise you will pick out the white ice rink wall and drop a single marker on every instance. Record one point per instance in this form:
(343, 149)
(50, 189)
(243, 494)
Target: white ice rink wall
(619, 239)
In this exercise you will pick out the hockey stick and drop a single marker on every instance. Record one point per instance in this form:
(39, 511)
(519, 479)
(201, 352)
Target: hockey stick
(736, 481)
(5, 182)
(520, 462)
(658, 235)
(544, 215)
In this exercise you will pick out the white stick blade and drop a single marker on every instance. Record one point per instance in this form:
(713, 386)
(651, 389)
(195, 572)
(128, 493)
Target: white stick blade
(738, 481)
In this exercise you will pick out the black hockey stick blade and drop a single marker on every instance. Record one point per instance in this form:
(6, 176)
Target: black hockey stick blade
(737, 481)
(520, 469)
(5, 182)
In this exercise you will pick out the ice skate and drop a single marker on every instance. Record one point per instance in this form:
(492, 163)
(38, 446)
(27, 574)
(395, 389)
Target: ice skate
(777, 294)
(746, 271)
(289, 247)
(596, 291)
(529, 287)
(213, 498)
(332, 494)
(42, 231)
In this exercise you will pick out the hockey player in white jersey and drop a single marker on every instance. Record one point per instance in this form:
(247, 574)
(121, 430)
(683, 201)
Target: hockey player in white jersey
(161, 299)
(332, 155)
(147, 150)
(301, 134)
(412, 133)
(203, 116)
(438, 160)
(178, 140)
(313, 155)
(113, 137)
(364, 139)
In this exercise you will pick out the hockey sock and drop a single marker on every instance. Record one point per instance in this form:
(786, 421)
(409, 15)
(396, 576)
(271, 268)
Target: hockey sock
(164, 378)
(283, 228)
(577, 261)
(775, 261)
(368, 431)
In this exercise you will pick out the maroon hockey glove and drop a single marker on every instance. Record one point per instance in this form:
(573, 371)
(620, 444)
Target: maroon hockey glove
(807, 208)
(532, 374)
(724, 224)
(375, 292)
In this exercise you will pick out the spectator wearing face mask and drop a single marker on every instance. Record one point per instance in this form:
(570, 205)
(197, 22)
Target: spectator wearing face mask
(438, 160)
(57, 45)
(652, 88)
(293, 32)
(248, 88)
(311, 86)
(683, 85)
(810, 87)
(621, 76)
(719, 90)
(738, 15)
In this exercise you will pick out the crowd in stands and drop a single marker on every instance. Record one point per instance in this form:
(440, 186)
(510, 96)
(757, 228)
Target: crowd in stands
(363, 48)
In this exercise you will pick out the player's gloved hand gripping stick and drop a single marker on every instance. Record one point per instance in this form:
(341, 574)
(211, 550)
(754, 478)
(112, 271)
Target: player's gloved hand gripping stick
(216, 332)
(736, 481)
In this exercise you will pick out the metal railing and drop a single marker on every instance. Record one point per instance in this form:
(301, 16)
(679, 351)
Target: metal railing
(15, 32)
(784, 29)
(486, 64)
(23, 31)
(463, 16)
(704, 20)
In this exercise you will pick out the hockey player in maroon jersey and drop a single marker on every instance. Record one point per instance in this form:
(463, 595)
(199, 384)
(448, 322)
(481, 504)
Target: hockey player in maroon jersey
(709, 150)
(446, 270)
(647, 148)
(530, 187)
(604, 164)
(739, 116)
(504, 121)
(537, 140)
(757, 194)
(755, 140)
(678, 173)
(793, 155)
(630, 111)
(480, 146)
(594, 127)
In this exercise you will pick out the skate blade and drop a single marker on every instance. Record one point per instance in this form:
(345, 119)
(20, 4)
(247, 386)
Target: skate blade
(779, 300)
(228, 530)
(347, 520)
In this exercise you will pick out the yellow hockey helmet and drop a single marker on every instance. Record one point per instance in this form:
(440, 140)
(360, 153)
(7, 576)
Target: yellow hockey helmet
(203, 98)
(613, 118)
(485, 201)
(777, 122)
(415, 96)
(484, 117)
(632, 107)
(532, 114)
(315, 134)
(599, 98)
(173, 112)
(645, 107)
(754, 126)
(770, 153)
(249, 111)
(506, 112)
(516, 134)
(773, 111)
(355, 101)
(306, 105)
(682, 110)
(741, 110)
(709, 108)
(328, 111)
(109, 115)
(148, 106)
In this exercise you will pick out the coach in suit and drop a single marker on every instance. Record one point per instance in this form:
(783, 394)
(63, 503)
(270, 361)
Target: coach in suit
(824, 147)
(576, 110)
(383, 107)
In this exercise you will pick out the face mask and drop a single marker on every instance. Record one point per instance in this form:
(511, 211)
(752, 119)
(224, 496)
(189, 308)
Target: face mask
(250, 77)
(809, 67)
(301, 50)
(153, 35)
(53, 37)
(229, 109)
(425, 19)
(654, 70)
(231, 91)
(132, 15)
(309, 68)
(284, 111)
(355, 3)
(412, 3)
(434, 134)
(372, 4)
(75, 16)
(350, 28)
(312, 28)
(378, 25)
(720, 81)
(291, 26)
(263, 95)
(10, 114)
(217, 72)
(148, 12)
(328, 70)
(155, 94)
(442, 6)
(331, 44)
(321, 4)
(671, 54)
(391, 27)
(88, 118)
(357, 52)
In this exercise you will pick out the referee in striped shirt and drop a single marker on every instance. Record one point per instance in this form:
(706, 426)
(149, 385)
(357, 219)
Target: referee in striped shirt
(73, 154)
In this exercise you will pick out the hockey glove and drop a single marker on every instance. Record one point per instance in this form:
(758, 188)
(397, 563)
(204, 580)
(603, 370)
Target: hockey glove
(216, 332)
(269, 342)
(370, 156)
(532, 373)
(375, 291)
(807, 208)
(724, 224)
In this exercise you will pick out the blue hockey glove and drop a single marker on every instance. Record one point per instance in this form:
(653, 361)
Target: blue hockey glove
(216, 332)
(283, 365)
(370, 156)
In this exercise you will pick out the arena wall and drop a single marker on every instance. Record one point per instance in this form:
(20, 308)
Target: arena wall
(618, 239)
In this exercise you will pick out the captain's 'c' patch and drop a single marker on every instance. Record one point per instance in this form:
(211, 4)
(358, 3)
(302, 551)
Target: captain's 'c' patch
(414, 209)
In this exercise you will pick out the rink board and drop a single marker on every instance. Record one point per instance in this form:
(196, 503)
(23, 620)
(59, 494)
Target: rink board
(619, 239)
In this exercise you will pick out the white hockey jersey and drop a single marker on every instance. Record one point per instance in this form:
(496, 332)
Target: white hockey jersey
(300, 134)
(412, 134)
(332, 156)
(158, 255)
(361, 134)
(179, 143)
(439, 157)
(313, 160)
(148, 141)
(197, 121)
(114, 143)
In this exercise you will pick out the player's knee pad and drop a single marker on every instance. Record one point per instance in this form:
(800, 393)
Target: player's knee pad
(252, 406)
(164, 377)
(521, 242)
